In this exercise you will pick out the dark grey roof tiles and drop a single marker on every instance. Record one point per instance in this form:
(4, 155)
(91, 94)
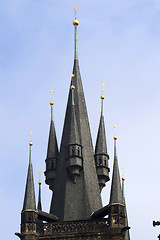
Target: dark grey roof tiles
(52, 142)
(73, 131)
(29, 199)
(101, 146)
(39, 206)
(76, 201)
(116, 191)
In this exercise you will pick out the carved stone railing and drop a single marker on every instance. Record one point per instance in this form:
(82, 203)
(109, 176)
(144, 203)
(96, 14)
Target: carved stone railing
(73, 226)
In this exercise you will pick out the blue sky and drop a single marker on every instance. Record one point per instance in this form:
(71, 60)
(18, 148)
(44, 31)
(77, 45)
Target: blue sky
(118, 44)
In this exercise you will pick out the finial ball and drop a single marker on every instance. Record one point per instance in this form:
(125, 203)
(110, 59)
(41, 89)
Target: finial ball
(115, 138)
(30, 143)
(51, 103)
(39, 182)
(123, 178)
(75, 22)
(72, 87)
(102, 97)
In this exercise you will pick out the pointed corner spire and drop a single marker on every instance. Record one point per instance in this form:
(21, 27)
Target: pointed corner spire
(127, 233)
(75, 24)
(102, 97)
(52, 143)
(116, 192)
(101, 145)
(101, 155)
(39, 193)
(52, 151)
(29, 198)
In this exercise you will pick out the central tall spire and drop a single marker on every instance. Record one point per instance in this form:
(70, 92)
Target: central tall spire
(75, 200)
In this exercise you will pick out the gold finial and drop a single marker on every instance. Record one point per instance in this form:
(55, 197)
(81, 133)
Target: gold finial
(123, 178)
(30, 143)
(40, 178)
(75, 22)
(115, 138)
(72, 86)
(102, 96)
(51, 102)
(75, 9)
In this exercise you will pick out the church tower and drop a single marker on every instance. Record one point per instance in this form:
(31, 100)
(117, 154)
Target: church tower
(76, 175)
(74, 197)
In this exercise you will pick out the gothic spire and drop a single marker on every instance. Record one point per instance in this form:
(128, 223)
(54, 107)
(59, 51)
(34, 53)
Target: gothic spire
(52, 142)
(76, 201)
(29, 199)
(101, 146)
(116, 191)
(52, 152)
(127, 234)
(101, 155)
(39, 206)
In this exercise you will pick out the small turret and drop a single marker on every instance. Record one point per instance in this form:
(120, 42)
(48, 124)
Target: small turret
(74, 162)
(39, 206)
(28, 214)
(52, 152)
(127, 234)
(101, 155)
(29, 199)
(116, 204)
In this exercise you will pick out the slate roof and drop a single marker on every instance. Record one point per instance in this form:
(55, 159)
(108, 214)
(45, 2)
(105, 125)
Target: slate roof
(52, 142)
(116, 191)
(39, 206)
(101, 146)
(29, 198)
(76, 201)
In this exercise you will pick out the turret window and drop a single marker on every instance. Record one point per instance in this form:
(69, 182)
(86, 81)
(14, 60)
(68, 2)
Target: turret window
(78, 150)
(114, 220)
(105, 162)
(100, 161)
(73, 151)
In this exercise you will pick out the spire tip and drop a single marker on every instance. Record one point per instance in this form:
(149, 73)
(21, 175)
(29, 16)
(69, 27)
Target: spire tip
(115, 137)
(102, 96)
(75, 22)
(30, 143)
(123, 178)
(39, 182)
(51, 102)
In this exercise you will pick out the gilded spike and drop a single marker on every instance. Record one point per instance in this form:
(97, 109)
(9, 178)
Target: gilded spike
(115, 138)
(51, 102)
(30, 143)
(40, 178)
(123, 178)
